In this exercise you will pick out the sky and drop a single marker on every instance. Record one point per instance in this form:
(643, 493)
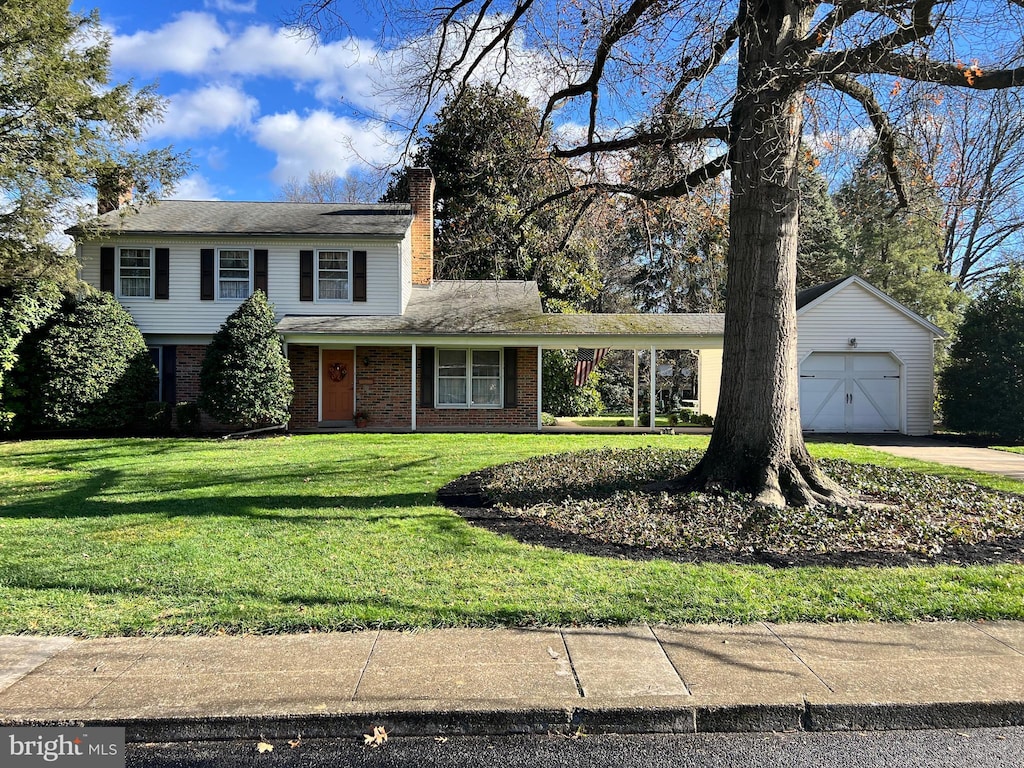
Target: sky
(254, 103)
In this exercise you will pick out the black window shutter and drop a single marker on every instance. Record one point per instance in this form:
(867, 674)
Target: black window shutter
(107, 269)
(358, 275)
(206, 281)
(511, 398)
(426, 355)
(260, 270)
(163, 273)
(168, 372)
(305, 275)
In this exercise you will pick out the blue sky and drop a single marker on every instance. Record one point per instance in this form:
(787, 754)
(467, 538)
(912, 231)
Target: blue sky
(254, 103)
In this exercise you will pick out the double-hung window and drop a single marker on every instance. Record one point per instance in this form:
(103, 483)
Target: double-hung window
(332, 276)
(234, 273)
(469, 378)
(135, 272)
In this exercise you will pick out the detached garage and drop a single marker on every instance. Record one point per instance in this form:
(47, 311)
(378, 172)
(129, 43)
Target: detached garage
(867, 363)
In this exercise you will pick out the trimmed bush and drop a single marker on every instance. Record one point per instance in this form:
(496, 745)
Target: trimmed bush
(245, 379)
(88, 368)
(983, 382)
(187, 418)
(561, 396)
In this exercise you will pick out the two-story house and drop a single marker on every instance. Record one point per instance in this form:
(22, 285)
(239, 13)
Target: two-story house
(368, 330)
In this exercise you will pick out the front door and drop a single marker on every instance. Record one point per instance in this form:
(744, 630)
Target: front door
(336, 387)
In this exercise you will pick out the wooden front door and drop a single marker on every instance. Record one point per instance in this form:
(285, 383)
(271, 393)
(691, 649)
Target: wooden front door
(337, 377)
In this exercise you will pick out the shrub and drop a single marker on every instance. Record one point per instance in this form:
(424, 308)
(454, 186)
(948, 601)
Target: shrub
(24, 307)
(561, 396)
(187, 418)
(983, 382)
(245, 379)
(156, 418)
(88, 368)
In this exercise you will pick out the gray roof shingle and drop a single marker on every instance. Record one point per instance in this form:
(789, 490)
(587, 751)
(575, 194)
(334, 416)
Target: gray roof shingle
(221, 217)
(496, 308)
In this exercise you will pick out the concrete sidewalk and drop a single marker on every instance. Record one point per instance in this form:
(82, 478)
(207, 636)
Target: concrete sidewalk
(765, 677)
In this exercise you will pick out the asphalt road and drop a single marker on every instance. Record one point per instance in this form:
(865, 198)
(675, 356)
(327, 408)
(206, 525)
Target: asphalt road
(981, 748)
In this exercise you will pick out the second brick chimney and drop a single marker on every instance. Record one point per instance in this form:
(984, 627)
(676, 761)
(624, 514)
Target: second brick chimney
(421, 196)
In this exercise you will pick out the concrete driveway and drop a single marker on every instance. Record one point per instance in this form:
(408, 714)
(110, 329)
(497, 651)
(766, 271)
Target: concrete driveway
(939, 451)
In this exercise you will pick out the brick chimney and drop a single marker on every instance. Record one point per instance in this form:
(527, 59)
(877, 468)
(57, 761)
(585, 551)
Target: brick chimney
(421, 196)
(113, 189)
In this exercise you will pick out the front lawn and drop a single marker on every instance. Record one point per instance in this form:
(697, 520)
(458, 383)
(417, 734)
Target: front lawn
(1010, 448)
(107, 537)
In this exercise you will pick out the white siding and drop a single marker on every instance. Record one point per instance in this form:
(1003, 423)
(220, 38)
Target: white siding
(855, 313)
(184, 313)
(406, 276)
(709, 380)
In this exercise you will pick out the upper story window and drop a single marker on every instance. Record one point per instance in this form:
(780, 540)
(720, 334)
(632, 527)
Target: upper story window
(135, 272)
(332, 276)
(469, 378)
(234, 273)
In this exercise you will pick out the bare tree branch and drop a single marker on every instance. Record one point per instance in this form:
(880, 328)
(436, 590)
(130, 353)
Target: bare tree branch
(645, 139)
(619, 28)
(943, 73)
(883, 128)
(718, 50)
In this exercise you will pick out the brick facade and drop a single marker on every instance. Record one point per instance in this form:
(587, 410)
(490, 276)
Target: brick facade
(188, 362)
(305, 365)
(383, 390)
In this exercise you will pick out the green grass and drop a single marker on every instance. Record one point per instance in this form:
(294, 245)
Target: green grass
(611, 421)
(111, 537)
(1010, 448)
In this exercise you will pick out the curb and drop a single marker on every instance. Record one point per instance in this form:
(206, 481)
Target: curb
(740, 718)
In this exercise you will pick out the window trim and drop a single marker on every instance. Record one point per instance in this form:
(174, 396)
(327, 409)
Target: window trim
(159, 349)
(316, 275)
(470, 405)
(217, 277)
(152, 270)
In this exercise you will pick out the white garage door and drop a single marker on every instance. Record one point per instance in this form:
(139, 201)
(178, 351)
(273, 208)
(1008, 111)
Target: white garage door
(850, 392)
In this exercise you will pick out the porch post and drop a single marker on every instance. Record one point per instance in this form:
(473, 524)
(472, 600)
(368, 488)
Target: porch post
(540, 387)
(636, 388)
(412, 397)
(654, 373)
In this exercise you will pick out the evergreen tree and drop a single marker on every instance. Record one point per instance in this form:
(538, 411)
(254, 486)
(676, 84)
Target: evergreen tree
(897, 251)
(821, 242)
(982, 385)
(490, 168)
(62, 123)
(245, 379)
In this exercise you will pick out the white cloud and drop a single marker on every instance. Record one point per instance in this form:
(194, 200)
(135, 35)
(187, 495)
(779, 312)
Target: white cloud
(186, 45)
(323, 141)
(194, 187)
(209, 110)
(196, 43)
(231, 6)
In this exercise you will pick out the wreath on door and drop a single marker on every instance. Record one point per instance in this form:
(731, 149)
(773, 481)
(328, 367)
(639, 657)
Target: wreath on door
(337, 371)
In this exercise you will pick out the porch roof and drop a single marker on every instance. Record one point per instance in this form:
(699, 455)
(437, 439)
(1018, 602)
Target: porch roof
(501, 312)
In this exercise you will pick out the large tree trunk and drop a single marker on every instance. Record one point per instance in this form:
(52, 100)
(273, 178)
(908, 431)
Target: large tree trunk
(757, 445)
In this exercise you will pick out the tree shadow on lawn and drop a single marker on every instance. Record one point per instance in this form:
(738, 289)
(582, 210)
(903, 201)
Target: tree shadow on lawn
(86, 500)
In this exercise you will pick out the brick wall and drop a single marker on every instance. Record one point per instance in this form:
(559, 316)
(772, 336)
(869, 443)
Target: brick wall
(188, 362)
(519, 419)
(383, 385)
(305, 365)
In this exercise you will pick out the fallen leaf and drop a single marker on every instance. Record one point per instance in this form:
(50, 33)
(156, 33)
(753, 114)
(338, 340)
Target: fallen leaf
(263, 747)
(378, 737)
(441, 739)
(295, 743)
